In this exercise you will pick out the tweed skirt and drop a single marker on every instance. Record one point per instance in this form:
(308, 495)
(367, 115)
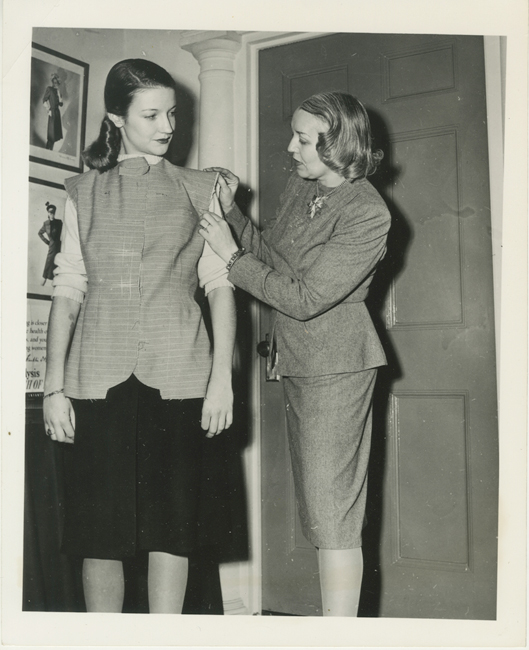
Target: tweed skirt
(329, 421)
(133, 474)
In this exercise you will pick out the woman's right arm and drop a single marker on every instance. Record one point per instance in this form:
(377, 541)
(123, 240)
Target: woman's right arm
(58, 411)
(248, 235)
(70, 285)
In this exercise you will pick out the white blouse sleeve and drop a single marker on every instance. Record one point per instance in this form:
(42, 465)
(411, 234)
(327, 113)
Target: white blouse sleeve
(70, 279)
(212, 271)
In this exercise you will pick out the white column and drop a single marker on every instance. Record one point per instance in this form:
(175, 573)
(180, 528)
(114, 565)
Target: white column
(215, 52)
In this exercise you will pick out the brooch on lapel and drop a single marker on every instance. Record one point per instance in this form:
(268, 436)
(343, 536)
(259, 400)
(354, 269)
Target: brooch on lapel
(318, 200)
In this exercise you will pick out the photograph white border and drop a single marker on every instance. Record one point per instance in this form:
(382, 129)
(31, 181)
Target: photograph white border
(508, 18)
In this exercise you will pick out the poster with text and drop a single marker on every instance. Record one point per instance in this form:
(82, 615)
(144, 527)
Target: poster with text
(38, 312)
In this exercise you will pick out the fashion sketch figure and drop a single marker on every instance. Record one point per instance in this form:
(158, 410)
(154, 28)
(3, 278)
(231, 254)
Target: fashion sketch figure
(52, 100)
(50, 233)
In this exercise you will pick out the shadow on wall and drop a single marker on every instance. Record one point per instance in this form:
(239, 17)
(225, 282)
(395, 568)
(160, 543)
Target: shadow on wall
(182, 141)
(392, 265)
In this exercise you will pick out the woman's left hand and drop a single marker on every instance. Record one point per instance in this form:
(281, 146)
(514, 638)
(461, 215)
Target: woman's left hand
(217, 410)
(217, 233)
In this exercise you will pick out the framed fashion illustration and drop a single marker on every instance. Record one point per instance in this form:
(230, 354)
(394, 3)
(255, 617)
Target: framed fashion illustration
(45, 220)
(58, 99)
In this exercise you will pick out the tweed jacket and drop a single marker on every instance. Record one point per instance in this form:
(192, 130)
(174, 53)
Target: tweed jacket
(138, 230)
(315, 272)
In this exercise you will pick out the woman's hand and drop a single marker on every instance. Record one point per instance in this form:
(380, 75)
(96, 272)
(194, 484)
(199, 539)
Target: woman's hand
(217, 233)
(59, 418)
(228, 187)
(217, 410)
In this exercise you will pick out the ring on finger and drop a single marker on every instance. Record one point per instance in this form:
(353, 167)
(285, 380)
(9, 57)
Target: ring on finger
(49, 432)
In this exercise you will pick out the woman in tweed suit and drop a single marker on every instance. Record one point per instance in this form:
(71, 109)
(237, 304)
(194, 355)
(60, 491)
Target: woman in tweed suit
(131, 383)
(314, 266)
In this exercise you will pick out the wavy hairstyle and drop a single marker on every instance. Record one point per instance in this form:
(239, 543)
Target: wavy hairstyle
(346, 147)
(50, 206)
(124, 80)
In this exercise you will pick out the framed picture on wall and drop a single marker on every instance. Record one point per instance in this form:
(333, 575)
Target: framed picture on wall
(58, 98)
(45, 221)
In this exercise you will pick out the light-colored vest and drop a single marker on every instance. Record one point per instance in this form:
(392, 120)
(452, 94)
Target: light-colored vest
(138, 228)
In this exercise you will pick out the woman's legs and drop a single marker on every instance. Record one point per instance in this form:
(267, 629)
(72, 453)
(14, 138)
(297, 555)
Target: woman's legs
(103, 585)
(126, 493)
(167, 583)
(340, 580)
(329, 430)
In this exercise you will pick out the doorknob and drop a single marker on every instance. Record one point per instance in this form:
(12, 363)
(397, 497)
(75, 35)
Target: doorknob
(263, 348)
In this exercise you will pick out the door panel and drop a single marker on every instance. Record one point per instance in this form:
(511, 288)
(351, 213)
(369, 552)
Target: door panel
(437, 299)
(432, 525)
(430, 544)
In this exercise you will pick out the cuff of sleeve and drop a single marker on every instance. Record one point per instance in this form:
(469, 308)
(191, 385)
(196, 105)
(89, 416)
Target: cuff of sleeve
(68, 292)
(235, 216)
(215, 284)
(249, 273)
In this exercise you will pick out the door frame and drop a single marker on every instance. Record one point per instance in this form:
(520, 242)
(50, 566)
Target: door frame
(247, 159)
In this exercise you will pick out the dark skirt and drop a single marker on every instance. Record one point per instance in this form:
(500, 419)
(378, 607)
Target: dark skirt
(329, 431)
(133, 475)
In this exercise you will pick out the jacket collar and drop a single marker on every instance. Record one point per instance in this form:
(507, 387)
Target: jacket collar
(136, 165)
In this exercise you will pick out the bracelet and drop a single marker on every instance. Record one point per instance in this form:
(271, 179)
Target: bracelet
(54, 392)
(235, 257)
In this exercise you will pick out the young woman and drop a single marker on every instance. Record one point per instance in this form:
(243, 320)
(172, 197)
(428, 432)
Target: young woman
(50, 233)
(131, 383)
(314, 267)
